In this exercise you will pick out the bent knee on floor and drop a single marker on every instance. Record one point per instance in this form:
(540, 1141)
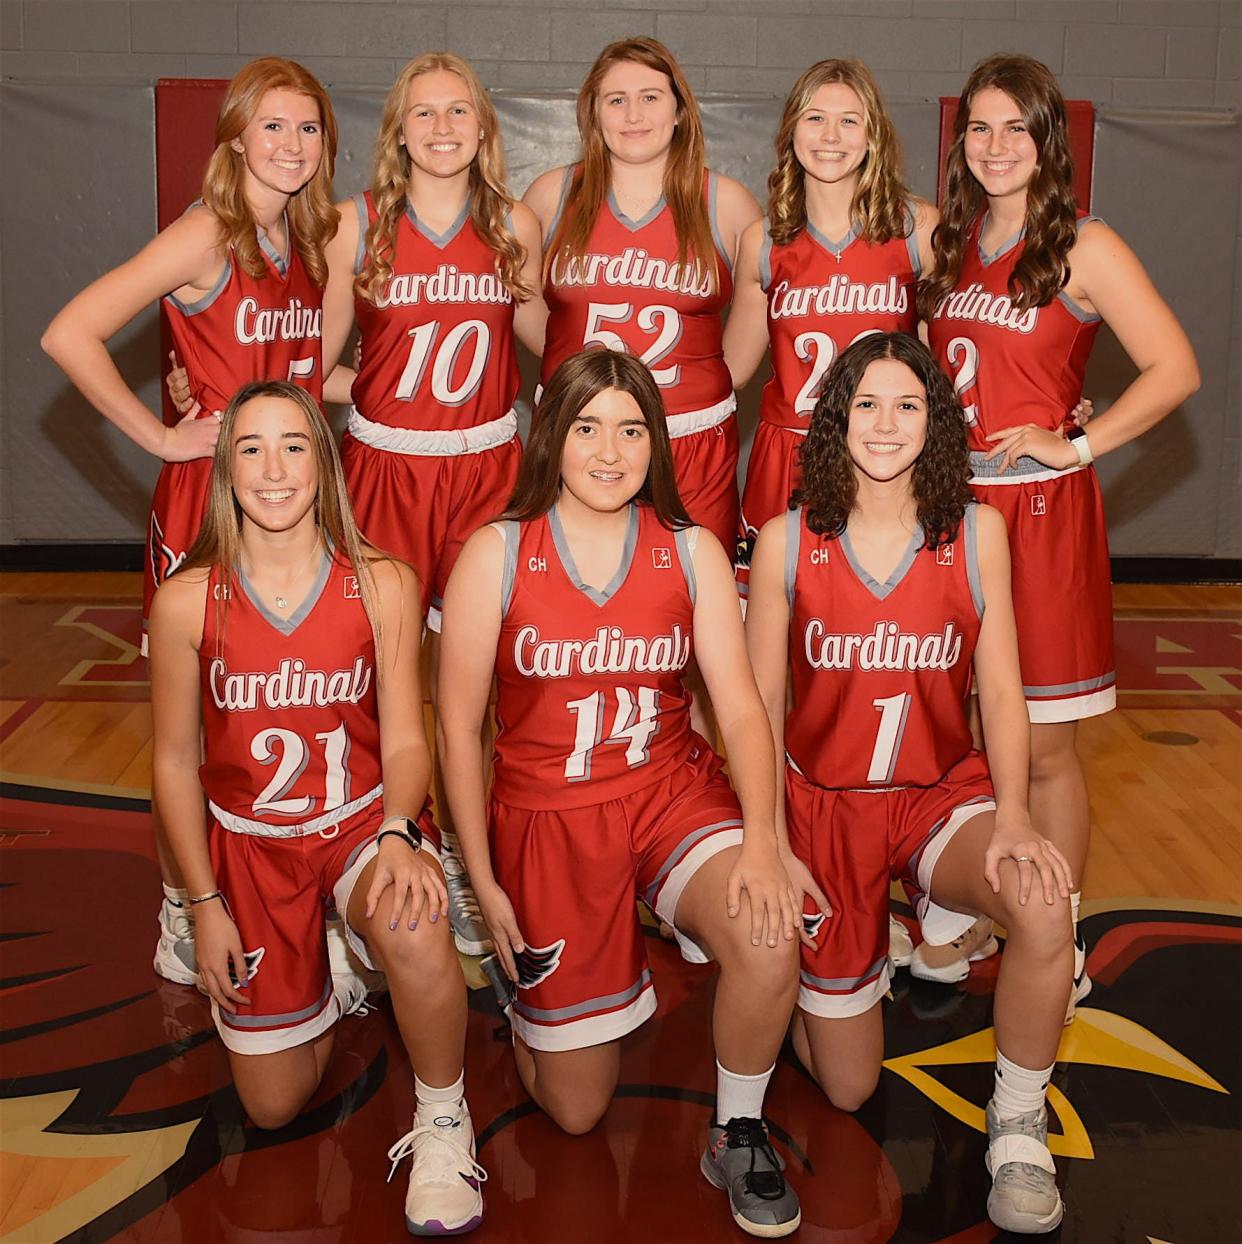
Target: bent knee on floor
(574, 1115)
(270, 1113)
(850, 1092)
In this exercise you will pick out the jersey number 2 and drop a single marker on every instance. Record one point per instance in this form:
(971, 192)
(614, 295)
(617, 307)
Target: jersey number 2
(294, 756)
(599, 313)
(632, 724)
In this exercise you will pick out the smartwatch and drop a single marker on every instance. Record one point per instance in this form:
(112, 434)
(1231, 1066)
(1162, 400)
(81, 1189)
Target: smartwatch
(404, 828)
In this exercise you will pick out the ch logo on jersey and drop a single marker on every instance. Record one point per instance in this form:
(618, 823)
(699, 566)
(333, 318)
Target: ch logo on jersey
(537, 963)
(812, 922)
(221, 591)
(662, 559)
(351, 589)
(818, 557)
(944, 555)
(537, 564)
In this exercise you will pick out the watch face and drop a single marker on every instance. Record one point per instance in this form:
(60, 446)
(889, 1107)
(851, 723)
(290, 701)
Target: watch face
(413, 833)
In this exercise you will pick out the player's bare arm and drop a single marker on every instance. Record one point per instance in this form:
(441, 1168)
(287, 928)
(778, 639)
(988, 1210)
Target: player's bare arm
(542, 197)
(530, 318)
(338, 303)
(746, 331)
(736, 211)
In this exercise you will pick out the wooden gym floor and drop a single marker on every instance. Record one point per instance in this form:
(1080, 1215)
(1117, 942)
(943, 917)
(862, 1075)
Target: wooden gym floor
(117, 1121)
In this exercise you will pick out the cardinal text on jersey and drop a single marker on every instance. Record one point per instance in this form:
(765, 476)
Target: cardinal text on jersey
(885, 648)
(290, 685)
(608, 651)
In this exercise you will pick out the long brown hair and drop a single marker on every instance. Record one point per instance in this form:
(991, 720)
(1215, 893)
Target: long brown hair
(219, 542)
(880, 198)
(683, 170)
(575, 382)
(1050, 228)
(941, 478)
(312, 216)
(490, 200)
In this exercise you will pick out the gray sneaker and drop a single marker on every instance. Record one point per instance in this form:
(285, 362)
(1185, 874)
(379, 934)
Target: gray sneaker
(740, 1159)
(1024, 1196)
(469, 931)
(174, 952)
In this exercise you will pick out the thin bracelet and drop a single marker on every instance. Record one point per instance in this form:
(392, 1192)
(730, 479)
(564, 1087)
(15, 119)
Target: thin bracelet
(195, 899)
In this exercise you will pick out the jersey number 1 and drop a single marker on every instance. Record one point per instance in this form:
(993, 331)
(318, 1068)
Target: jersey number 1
(893, 711)
(632, 724)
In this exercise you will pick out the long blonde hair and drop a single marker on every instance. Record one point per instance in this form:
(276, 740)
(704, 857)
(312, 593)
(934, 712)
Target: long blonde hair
(879, 205)
(219, 544)
(683, 171)
(312, 215)
(490, 200)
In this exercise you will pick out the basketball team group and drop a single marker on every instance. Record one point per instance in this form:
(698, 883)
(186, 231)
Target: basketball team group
(891, 634)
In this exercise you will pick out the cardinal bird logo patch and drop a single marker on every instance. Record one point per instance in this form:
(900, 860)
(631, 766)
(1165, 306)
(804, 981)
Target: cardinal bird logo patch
(537, 963)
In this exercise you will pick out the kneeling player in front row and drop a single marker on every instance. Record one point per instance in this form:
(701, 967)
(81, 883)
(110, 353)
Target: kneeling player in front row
(293, 647)
(587, 603)
(877, 592)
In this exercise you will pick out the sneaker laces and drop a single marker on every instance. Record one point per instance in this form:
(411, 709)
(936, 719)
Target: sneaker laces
(768, 1185)
(442, 1158)
(461, 892)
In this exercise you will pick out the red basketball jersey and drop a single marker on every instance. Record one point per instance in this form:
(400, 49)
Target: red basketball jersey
(629, 292)
(822, 297)
(881, 671)
(437, 350)
(251, 328)
(591, 702)
(1009, 366)
(290, 721)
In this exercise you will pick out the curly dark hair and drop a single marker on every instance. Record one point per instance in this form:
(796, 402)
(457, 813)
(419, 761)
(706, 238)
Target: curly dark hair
(941, 477)
(1051, 226)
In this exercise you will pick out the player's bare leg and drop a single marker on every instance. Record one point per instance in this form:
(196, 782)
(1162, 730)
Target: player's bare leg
(274, 1087)
(428, 995)
(469, 930)
(844, 1055)
(1031, 993)
(754, 999)
(573, 1087)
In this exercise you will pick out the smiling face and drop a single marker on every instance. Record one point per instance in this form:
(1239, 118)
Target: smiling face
(998, 147)
(275, 479)
(830, 137)
(606, 453)
(887, 421)
(282, 144)
(440, 129)
(637, 112)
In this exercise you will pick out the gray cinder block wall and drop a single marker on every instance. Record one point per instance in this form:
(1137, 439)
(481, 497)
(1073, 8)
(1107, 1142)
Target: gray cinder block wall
(1157, 53)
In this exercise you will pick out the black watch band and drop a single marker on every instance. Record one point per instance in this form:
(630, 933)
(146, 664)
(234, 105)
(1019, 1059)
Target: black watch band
(403, 828)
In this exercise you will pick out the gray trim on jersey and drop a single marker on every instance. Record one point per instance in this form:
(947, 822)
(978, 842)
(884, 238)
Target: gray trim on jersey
(713, 185)
(837, 983)
(599, 596)
(1079, 313)
(836, 249)
(240, 1020)
(765, 260)
(438, 240)
(1072, 688)
(881, 590)
(970, 538)
(511, 533)
(1003, 249)
(912, 239)
(194, 308)
(793, 541)
(279, 262)
(634, 225)
(566, 182)
(685, 555)
(608, 1002)
(286, 626)
(364, 223)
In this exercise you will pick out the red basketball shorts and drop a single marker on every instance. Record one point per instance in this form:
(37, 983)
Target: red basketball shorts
(771, 477)
(1062, 588)
(855, 842)
(177, 510)
(278, 890)
(423, 507)
(705, 464)
(572, 875)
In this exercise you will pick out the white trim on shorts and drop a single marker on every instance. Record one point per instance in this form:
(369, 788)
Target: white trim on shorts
(595, 1029)
(441, 443)
(273, 1040)
(679, 876)
(844, 1005)
(299, 829)
(692, 421)
(941, 925)
(1073, 708)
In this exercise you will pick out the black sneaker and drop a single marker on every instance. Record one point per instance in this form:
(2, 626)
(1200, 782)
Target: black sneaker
(740, 1159)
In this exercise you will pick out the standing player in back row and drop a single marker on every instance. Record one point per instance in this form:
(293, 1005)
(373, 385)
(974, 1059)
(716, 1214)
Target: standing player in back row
(241, 277)
(639, 241)
(1021, 284)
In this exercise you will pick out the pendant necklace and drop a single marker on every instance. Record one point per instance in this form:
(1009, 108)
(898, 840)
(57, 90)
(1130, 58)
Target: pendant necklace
(281, 602)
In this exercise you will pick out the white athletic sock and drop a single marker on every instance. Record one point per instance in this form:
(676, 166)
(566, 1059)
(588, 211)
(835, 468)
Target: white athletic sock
(178, 898)
(439, 1097)
(740, 1097)
(1018, 1090)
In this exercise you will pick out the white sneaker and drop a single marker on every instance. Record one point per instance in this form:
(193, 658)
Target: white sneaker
(1082, 982)
(1024, 1196)
(174, 953)
(900, 944)
(949, 964)
(470, 931)
(445, 1194)
(348, 987)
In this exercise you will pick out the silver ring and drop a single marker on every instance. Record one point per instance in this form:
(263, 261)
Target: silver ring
(1024, 859)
